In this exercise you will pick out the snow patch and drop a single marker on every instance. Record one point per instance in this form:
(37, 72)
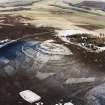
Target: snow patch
(30, 96)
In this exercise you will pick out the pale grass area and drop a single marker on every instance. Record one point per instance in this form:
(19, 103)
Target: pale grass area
(43, 14)
(46, 18)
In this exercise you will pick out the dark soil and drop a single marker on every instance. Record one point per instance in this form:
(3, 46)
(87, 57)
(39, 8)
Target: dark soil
(13, 27)
(91, 27)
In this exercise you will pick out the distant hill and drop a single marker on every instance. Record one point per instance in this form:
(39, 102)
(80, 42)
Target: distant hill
(91, 4)
(87, 4)
(14, 3)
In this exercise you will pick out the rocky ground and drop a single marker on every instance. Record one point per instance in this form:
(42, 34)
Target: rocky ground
(41, 61)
